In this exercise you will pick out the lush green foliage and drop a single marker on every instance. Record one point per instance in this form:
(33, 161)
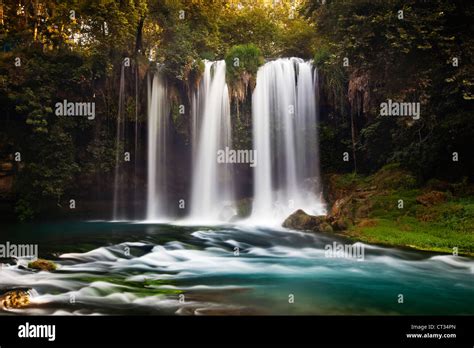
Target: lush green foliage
(380, 219)
(56, 50)
(74, 50)
(243, 59)
(403, 56)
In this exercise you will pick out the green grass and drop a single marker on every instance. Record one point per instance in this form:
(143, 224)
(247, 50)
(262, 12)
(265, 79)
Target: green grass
(438, 228)
(386, 205)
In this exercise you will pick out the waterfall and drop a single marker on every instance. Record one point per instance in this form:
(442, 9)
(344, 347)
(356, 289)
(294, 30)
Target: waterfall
(284, 113)
(158, 114)
(119, 139)
(212, 193)
(136, 147)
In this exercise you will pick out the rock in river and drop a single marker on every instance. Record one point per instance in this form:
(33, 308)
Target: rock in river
(16, 298)
(299, 220)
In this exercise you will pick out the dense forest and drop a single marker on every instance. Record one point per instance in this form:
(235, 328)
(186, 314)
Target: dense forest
(366, 52)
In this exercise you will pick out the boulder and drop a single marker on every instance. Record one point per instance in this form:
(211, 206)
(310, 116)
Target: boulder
(299, 220)
(14, 299)
(43, 265)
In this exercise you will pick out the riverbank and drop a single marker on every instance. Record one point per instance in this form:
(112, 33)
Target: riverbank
(390, 208)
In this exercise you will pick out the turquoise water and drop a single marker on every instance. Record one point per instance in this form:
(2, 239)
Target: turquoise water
(138, 268)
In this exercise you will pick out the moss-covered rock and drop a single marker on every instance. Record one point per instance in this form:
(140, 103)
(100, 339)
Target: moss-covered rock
(244, 207)
(43, 265)
(299, 220)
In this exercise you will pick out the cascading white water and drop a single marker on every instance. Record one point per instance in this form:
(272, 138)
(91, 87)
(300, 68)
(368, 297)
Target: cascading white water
(284, 115)
(306, 126)
(158, 114)
(212, 193)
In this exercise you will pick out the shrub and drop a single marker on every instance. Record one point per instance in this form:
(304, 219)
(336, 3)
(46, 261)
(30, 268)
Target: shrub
(243, 60)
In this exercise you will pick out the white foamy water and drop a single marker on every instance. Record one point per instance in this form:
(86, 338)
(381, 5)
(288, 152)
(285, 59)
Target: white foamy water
(158, 119)
(285, 137)
(212, 195)
(205, 268)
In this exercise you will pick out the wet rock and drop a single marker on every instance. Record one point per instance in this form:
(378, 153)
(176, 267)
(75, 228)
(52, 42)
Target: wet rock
(17, 298)
(7, 261)
(244, 207)
(299, 220)
(43, 265)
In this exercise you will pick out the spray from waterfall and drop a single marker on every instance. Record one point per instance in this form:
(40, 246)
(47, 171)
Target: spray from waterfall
(284, 113)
